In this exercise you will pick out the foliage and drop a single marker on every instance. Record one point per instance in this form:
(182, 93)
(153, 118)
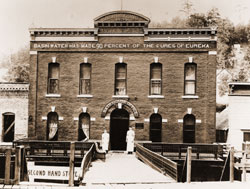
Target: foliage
(176, 22)
(199, 20)
(187, 8)
(18, 66)
(223, 84)
(247, 55)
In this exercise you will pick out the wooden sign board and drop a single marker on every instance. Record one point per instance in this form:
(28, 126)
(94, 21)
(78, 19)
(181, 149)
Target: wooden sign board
(51, 172)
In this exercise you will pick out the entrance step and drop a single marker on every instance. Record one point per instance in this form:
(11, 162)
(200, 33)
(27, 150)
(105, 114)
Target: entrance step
(117, 151)
(122, 168)
(41, 185)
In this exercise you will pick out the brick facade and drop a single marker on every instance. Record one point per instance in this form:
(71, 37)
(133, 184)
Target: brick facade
(14, 101)
(139, 45)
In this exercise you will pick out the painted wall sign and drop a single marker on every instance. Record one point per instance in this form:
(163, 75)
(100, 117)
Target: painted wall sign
(99, 46)
(123, 102)
(51, 172)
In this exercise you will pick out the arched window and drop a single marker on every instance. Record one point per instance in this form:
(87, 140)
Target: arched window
(53, 78)
(120, 79)
(155, 127)
(84, 126)
(8, 127)
(155, 79)
(85, 78)
(190, 79)
(189, 129)
(52, 126)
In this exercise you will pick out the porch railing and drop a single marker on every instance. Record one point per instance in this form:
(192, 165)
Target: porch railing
(176, 150)
(13, 167)
(87, 161)
(158, 162)
(62, 153)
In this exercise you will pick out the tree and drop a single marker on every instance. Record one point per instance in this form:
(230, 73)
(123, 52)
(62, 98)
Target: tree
(247, 55)
(176, 22)
(197, 20)
(210, 19)
(213, 17)
(18, 66)
(187, 8)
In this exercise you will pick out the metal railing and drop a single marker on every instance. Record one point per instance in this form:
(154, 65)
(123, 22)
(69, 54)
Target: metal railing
(166, 149)
(158, 162)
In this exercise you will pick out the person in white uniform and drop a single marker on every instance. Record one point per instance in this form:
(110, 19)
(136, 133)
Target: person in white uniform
(130, 140)
(105, 141)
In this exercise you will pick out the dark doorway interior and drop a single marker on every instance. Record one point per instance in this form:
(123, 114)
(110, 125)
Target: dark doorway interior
(84, 126)
(119, 123)
(9, 127)
(189, 129)
(52, 126)
(155, 127)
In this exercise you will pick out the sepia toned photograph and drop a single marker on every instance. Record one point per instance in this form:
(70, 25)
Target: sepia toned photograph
(124, 94)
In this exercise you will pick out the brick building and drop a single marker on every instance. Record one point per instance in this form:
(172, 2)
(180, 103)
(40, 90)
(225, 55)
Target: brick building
(122, 73)
(14, 111)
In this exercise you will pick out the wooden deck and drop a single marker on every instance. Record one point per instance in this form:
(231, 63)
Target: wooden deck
(121, 168)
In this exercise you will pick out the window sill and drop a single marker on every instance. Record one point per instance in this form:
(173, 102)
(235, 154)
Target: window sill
(120, 96)
(156, 96)
(190, 96)
(85, 96)
(53, 95)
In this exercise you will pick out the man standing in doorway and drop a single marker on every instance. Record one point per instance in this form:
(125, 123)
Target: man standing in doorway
(105, 141)
(130, 140)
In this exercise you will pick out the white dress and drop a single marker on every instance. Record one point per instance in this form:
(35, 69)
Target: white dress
(105, 141)
(130, 140)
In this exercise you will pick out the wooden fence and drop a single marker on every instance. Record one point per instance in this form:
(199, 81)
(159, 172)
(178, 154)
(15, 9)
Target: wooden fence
(166, 149)
(62, 153)
(13, 167)
(158, 162)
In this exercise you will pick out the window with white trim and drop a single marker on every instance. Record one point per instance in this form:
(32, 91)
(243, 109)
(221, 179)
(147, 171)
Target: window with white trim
(246, 136)
(155, 79)
(120, 79)
(85, 78)
(190, 79)
(53, 78)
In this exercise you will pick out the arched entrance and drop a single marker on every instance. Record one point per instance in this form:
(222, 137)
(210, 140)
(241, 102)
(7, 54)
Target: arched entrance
(119, 123)
(189, 129)
(83, 126)
(155, 127)
(52, 126)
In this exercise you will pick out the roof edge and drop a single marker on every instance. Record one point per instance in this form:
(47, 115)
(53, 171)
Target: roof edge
(122, 11)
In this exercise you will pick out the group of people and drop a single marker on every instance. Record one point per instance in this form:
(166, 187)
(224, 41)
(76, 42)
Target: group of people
(130, 137)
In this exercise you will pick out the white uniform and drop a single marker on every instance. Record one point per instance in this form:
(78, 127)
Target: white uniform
(105, 141)
(130, 140)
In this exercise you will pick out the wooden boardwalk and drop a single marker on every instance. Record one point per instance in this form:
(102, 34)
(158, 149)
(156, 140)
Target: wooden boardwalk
(121, 168)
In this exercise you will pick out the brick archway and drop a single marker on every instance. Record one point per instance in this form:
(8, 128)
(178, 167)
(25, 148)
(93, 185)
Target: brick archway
(120, 104)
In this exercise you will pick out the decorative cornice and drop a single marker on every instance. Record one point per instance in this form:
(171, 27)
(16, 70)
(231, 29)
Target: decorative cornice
(14, 87)
(63, 32)
(179, 31)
